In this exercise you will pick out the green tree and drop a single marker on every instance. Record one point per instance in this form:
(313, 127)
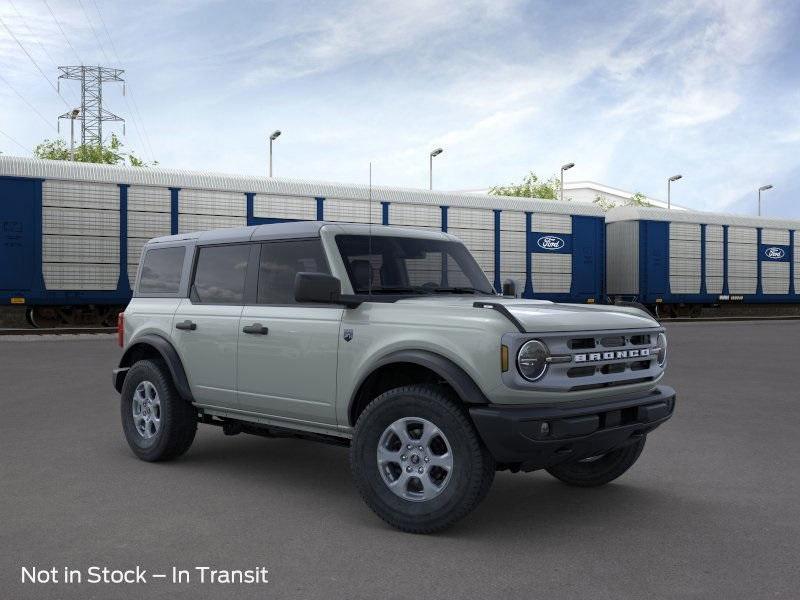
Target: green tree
(606, 203)
(638, 199)
(530, 187)
(110, 154)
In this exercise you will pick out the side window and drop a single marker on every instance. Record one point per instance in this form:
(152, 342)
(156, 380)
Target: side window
(220, 274)
(161, 270)
(281, 261)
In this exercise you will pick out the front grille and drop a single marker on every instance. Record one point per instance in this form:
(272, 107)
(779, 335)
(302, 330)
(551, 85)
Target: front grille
(587, 360)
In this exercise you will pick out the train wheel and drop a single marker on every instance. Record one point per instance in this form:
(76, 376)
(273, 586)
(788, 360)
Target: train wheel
(45, 317)
(695, 310)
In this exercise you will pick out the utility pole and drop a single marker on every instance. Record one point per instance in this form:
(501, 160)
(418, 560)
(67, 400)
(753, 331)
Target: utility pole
(275, 135)
(565, 167)
(763, 188)
(435, 152)
(669, 189)
(75, 112)
(92, 114)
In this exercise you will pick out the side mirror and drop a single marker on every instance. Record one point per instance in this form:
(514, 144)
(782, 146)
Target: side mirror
(317, 287)
(510, 288)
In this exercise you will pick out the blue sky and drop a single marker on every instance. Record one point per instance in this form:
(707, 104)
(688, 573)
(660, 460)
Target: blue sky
(632, 92)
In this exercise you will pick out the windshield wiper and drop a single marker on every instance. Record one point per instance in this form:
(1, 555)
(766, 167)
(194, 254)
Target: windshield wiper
(392, 290)
(458, 290)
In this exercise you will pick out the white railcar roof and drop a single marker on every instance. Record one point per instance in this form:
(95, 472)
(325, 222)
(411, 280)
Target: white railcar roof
(635, 213)
(14, 166)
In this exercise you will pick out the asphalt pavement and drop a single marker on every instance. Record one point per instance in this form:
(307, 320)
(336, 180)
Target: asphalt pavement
(711, 510)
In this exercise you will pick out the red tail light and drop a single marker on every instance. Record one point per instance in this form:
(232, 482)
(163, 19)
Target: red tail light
(121, 329)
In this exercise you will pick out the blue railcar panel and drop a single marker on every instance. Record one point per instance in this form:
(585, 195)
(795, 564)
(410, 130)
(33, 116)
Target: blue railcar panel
(123, 285)
(588, 258)
(653, 260)
(19, 217)
(498, 285)
(703, 259)
(175, 210)
(792, 290)
(528, 292)
(759, 277)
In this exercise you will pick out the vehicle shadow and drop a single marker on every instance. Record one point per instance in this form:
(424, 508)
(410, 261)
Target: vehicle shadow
(518, 505)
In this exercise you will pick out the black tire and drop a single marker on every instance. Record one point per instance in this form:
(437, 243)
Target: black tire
(599, 471)
(473, 467)
(178, 418)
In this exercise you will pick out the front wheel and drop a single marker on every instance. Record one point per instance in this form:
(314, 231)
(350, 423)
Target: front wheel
(599, 470)
(418, 461)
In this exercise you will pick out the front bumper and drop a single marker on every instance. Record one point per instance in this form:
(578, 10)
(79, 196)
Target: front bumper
(531, 437)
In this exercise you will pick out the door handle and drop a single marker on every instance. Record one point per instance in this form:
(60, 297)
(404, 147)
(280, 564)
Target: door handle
(256, 328)
(187, 325)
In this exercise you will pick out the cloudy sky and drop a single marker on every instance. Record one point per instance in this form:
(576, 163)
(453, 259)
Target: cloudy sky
(632, 92)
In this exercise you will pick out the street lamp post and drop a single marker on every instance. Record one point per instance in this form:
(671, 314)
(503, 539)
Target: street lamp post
(565, 167)
(72, 116)
(272, 138)
(669, 183)
(763, 188)
(435, 152)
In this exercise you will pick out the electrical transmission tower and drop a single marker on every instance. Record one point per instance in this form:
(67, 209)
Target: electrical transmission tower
(92, 114)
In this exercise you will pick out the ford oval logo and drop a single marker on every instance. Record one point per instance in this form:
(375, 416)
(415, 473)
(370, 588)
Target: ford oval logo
(550, 242)
(774, 253)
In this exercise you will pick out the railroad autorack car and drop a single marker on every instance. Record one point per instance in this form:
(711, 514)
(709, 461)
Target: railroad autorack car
(675, 262)
(72, 233)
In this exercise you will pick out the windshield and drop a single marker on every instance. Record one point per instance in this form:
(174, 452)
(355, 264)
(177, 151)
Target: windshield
(401, 265)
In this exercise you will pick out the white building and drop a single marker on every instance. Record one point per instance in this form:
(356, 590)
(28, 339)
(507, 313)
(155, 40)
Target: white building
(587, 192)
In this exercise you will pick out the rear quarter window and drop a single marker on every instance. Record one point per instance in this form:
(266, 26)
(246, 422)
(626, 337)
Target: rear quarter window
(161, 271)
(219, 276)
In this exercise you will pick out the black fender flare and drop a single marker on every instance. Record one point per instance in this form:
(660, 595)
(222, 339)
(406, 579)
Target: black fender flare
(458, 379)
(167, 352)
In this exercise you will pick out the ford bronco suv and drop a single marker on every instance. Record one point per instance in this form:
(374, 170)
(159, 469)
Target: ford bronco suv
(392, 341)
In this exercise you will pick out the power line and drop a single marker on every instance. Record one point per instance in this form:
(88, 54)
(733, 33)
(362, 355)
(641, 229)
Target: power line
(35, 64)
(135, 112)
(94, 33)
(32, 107)
(66, 39)
(33, 36)
(15, 141)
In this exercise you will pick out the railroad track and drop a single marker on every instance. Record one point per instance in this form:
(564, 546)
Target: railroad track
(56, 330)
(664, 321)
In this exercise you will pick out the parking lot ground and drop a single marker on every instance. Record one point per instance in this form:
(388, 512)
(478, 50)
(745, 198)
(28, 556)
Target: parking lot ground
(711, 510)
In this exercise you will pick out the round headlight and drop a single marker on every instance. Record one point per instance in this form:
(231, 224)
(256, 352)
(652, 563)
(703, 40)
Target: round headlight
(661, 349)
(532, 360)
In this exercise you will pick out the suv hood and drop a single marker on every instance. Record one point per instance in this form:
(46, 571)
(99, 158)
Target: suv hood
(542, 315)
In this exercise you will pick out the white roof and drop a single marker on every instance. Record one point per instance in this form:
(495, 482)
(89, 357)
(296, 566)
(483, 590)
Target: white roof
(613, 191)
(635, 213)
(156, 176)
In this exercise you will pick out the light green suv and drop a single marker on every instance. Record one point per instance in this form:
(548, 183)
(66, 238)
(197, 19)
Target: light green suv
(392, 341)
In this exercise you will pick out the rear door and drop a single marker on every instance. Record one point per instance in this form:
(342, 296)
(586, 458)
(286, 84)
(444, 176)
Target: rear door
(287, 351)
(206, 325)
(18, 199)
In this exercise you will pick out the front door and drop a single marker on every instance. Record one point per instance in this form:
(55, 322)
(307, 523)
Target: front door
(206, 325)
(287, 351)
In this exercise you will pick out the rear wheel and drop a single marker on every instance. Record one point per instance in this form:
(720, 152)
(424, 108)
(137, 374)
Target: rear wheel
(599, 470)
(158, 423)
(418, 461)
